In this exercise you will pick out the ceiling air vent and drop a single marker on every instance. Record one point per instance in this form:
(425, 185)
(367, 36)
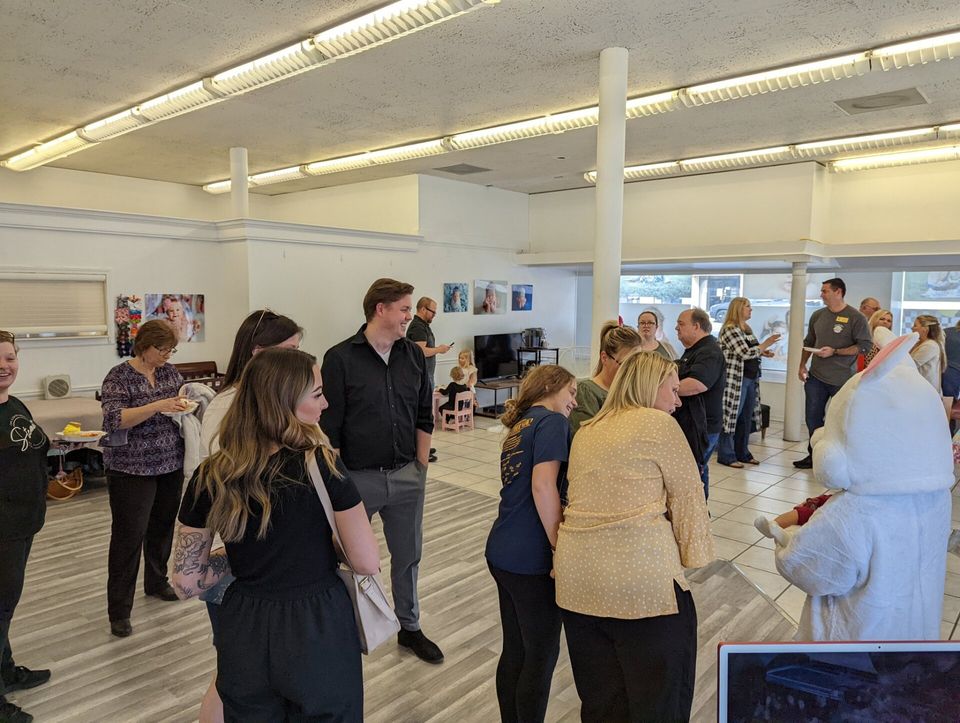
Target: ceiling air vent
(881, 101)
(461, 169)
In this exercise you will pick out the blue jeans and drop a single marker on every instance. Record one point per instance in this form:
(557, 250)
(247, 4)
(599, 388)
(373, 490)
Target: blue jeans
(817, 395)
(712, 439)
(735, 446)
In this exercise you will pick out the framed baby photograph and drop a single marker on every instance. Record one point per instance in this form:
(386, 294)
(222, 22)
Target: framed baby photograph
(490, 297)
(456, 297)
(521, 297)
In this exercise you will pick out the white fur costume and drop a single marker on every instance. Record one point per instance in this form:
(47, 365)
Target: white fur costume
(873, 559)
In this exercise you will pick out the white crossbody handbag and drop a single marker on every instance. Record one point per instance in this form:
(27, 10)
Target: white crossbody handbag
(376, 621)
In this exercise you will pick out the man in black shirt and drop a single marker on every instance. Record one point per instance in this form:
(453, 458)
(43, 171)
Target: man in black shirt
(701, 371)
(419, 332)
(381, 420)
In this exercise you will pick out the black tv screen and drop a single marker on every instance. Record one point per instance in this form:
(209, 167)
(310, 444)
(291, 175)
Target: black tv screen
(496, 355)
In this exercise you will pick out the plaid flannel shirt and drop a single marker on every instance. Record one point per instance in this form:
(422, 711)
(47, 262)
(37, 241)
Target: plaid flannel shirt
(737, 346)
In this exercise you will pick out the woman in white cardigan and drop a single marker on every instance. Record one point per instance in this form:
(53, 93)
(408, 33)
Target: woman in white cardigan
(928, 353)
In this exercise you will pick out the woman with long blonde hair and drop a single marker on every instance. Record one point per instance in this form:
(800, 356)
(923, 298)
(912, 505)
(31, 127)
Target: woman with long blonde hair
(741, 393)
(256, 492)
(636, 517)
(616, 341)
(928, 353)
(883, 319)
(519, 548)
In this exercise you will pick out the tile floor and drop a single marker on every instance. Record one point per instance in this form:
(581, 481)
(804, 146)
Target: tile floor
(471, 459)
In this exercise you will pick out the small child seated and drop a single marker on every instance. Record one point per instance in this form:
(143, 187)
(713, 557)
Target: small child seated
(453, 389)
(798, 516)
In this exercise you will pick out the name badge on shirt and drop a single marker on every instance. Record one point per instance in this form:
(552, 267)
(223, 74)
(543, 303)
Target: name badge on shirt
(842, 320)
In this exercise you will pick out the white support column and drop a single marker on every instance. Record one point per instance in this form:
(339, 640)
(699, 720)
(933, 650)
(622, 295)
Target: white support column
(793, 403)
(608, 242)
(239, 197)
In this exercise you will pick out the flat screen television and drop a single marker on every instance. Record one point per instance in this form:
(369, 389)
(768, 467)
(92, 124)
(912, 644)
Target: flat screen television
(496, 355)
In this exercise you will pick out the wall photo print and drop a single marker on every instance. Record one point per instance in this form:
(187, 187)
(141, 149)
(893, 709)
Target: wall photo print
(521, 297)
(456, 297)
(185, 312)
(490, 297)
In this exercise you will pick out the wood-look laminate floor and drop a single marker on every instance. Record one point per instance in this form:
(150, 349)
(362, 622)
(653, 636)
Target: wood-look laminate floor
(162, 670)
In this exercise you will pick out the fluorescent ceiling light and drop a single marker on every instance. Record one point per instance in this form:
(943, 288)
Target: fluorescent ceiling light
(44, 153)
(279, 176)
(389, 23)
(367, 31)
(883, 160)
(542, 126)
(864, 142)
(768, 81)
(217, 187)
(738, 159)
(913, 52)
(376, 158)
(652, 104)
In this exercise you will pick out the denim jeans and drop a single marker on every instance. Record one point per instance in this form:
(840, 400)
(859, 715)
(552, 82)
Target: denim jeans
(817, 395)
(712, 439)
(735, 446)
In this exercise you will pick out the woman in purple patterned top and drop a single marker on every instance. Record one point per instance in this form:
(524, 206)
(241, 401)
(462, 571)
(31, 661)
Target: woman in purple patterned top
(145, 472)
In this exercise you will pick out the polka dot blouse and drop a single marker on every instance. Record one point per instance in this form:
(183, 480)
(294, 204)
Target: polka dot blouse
(636, 517)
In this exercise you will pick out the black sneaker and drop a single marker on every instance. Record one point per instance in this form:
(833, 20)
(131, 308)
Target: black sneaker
(805, 463)
(432, 458)
(24, 678)
(10, 713)
(421, 645)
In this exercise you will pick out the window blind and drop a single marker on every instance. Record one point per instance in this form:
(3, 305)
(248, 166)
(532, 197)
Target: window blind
(52, 306)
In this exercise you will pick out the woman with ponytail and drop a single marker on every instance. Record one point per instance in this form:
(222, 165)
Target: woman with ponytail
(616, 342)
(520, 546)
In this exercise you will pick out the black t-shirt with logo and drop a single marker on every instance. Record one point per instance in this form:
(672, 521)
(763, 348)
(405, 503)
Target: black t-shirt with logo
(704, 362)
(23, 472)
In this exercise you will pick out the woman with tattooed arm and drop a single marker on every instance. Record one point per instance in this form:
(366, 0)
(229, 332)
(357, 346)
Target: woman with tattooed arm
(257, 494)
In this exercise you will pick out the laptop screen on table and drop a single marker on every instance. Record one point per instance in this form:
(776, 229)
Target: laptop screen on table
(901, 681)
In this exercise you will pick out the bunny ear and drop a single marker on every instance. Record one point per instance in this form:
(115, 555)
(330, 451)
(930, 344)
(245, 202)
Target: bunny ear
(890, 356)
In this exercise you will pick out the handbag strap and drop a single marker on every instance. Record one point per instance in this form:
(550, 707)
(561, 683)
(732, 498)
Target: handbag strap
(324, 496)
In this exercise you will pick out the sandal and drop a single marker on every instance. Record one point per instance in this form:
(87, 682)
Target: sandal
(735, 465)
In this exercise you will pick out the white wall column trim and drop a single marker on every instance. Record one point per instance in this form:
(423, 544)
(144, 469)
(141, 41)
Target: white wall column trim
(608, 241)
(239, 194)
(793, 403)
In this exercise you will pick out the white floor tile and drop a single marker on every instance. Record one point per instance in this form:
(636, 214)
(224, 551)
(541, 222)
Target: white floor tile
(771, 583)
(735, 531)
(757, 557)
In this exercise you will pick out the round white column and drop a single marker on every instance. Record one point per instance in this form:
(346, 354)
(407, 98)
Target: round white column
(239, 197)
(607, 245)
(793, 402)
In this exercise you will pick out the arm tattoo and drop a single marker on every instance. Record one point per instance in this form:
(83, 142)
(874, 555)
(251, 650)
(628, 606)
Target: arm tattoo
(186, 560)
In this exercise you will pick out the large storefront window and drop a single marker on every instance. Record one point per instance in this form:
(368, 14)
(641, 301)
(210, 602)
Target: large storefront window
(936, 293)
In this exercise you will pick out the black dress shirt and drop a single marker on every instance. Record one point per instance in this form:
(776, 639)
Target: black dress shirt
(376, 408)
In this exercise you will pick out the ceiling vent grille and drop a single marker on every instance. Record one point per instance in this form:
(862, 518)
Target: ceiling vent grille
(461, 169)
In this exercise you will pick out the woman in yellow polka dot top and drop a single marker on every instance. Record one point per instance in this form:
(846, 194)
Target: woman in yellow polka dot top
(636, 517)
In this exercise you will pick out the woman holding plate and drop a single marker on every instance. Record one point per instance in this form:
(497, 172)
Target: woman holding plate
(143, 454)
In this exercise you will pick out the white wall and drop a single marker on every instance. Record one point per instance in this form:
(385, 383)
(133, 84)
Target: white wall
(746, 207)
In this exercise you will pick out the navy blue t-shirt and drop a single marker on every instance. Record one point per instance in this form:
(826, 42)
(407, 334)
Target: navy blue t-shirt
(518, 543)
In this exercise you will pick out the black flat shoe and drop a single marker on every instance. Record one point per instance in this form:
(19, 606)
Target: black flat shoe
(165, 593)
(805, 463)
(121, 628)
(24, 679)
(421, 645)
(11, 713)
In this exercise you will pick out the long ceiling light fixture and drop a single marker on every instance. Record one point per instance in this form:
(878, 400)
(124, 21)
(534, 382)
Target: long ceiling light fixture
(820, 150)
(375, 28)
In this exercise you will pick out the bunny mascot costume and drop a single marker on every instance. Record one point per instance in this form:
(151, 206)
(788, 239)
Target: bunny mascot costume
(872, 560)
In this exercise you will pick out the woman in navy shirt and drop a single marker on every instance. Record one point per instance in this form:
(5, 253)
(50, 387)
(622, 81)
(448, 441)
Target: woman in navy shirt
(520, 547)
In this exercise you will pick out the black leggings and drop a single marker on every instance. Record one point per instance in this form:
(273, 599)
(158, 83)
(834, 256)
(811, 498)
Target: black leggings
(634, 670)
(531, 644)
(13, 565)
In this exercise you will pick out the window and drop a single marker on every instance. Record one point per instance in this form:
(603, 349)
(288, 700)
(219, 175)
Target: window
(54, 305)
(936, 293)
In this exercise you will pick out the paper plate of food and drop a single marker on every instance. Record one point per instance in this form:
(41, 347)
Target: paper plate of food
(73, 433)
(188, 408)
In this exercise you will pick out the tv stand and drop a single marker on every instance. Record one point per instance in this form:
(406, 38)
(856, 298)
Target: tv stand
(496, 386)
